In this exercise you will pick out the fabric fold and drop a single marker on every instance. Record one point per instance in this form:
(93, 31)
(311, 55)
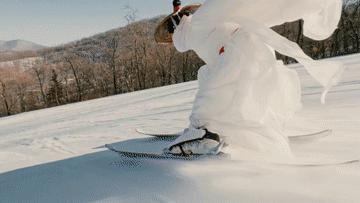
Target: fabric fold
(326, 73)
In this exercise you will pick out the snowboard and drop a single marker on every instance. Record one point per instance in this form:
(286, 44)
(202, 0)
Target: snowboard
(157, 153)
(219, 156)
(296, 138)
(164, 156)
(162, 34)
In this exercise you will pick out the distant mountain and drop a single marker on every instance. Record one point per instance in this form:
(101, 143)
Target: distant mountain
(19, 45)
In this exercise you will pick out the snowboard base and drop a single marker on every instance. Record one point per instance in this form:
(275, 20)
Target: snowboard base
(162, 156)
(220, 156)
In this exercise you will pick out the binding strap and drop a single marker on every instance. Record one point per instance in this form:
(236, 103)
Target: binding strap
(211, 136)
(174, 21)
(208, 135)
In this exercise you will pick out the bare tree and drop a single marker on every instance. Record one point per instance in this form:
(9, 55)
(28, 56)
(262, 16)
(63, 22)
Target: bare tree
(4, 97)
(40, 74)
(74, 71)
(23, 84)
(55, 93)
(131, 14)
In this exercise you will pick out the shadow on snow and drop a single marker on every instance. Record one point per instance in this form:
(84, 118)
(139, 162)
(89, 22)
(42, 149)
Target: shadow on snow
(95, 177)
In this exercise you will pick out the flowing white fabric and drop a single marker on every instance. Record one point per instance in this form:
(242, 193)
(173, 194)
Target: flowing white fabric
(245, 94)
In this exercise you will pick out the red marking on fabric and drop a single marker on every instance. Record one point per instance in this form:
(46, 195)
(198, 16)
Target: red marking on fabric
(222, 50)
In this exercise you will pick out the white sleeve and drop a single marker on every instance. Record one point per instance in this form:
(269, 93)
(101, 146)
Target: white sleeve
(321, 17)
(181, 33)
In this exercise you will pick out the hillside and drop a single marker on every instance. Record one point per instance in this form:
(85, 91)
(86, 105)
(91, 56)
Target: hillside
(93, 47)
(57, 154)
(19, 45)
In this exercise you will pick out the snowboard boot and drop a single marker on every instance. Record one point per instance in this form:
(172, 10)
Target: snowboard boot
(209, 144)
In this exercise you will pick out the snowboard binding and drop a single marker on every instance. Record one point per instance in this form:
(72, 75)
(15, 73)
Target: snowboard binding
(209, 144)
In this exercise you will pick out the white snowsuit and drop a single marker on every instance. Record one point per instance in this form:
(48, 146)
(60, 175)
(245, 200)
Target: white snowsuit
(245, 94)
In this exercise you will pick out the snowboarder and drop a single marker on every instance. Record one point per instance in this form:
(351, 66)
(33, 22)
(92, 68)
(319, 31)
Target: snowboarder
(245, 94)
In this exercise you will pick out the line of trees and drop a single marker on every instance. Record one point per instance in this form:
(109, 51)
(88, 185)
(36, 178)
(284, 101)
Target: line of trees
(128, 59)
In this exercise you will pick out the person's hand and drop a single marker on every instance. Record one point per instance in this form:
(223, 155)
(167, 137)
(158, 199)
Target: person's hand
(185, 12)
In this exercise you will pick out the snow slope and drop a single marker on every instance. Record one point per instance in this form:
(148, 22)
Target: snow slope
(56, 155)
(24, 64)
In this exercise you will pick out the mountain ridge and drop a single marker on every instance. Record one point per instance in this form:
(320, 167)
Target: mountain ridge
(19, 45)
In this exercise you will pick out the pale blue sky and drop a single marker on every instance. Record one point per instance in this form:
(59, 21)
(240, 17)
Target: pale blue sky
(52, 22)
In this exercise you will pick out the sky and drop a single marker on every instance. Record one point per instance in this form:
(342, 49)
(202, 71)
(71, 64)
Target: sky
(55, 22)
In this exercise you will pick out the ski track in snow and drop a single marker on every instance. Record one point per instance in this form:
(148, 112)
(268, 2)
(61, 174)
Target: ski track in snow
(57, 154)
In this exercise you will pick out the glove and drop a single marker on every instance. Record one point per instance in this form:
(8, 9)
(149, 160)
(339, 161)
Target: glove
(186, 12)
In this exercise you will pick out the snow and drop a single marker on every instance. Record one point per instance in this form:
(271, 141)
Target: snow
(57, 154)
(25, 63)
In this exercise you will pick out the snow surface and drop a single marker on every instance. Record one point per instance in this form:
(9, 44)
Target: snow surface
(57, 154)
(24, 64)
